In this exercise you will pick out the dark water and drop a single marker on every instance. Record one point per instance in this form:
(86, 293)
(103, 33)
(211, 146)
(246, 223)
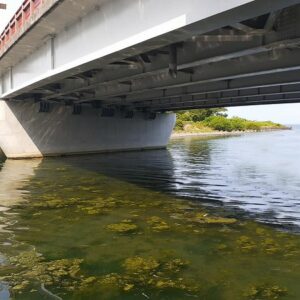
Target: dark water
(206, 219)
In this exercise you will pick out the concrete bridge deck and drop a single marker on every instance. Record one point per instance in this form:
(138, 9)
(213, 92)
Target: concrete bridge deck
(194, 54)
(143, 58)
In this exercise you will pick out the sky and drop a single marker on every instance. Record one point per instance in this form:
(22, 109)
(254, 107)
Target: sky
(281, 113)
(6, 15)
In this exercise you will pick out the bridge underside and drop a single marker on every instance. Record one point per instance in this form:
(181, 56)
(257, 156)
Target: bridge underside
(247, 55)
(256, 61)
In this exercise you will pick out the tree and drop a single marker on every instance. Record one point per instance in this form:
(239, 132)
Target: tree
(197, 115)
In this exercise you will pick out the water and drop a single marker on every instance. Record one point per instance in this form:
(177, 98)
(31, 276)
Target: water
(259, 173)
(205, 219)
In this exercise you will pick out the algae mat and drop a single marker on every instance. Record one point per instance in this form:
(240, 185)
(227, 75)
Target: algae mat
(78, 234)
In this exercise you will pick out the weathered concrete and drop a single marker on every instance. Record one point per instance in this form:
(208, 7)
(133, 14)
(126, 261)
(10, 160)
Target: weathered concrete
(27, 133)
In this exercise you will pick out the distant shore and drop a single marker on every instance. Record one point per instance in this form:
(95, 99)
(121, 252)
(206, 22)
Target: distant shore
(224, 133)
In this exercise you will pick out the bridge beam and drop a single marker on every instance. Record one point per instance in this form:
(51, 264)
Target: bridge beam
(76, 53)
(25, 132)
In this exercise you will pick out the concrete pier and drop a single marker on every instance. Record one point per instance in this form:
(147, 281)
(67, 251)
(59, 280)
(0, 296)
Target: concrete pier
(25, 132)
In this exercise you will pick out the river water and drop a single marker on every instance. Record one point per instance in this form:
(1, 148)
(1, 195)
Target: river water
(209, 218)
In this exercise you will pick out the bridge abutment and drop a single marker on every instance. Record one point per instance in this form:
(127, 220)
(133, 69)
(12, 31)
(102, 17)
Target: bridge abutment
(25, 132)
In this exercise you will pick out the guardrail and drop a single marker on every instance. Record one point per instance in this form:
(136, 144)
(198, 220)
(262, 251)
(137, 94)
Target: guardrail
(17, 22)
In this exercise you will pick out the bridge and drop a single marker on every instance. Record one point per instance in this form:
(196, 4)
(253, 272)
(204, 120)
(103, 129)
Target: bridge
(95, 75)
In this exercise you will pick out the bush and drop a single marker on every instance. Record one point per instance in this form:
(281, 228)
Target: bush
(219, 123)
(204, 120)
(234, 124)
(238, 124)
(253, 126)
(198, 115)
(179, 125)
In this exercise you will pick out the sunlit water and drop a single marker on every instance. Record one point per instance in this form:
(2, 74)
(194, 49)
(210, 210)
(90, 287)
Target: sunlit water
(206, 219)
(259, 173)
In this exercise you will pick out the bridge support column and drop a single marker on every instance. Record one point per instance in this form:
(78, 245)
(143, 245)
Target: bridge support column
(25, 132)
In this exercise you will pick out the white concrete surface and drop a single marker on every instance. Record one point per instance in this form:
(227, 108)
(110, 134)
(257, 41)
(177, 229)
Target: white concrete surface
(27, 133)
(91, 33)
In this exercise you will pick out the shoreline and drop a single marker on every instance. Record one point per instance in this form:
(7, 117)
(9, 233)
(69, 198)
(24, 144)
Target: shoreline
(223, 133)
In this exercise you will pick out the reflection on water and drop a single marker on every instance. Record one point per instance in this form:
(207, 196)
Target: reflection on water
(259, 173)
(117, 227)
(13, 176)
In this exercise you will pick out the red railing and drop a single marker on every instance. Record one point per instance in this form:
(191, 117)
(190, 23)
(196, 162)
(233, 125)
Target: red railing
(19, 20)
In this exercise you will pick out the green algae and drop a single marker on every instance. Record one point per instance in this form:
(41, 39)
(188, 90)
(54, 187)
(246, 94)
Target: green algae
(140, 265)
(140, 273)
(30, 269)
(123, 227)
(100, 238)
(176, 265)
(246, 244)
(222, 247)
(205, 218)
(127, 287)
(266, 292)
(157, 224)
(270, 246)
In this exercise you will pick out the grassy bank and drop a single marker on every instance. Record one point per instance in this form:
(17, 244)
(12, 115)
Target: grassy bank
(216, 120)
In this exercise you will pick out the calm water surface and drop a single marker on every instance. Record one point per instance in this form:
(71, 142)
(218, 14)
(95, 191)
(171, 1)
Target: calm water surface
(206, 219)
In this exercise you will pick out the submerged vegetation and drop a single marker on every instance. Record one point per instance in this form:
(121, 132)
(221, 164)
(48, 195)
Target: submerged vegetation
(265, 292)
(123, 227)
(122, 241)
(216, 119)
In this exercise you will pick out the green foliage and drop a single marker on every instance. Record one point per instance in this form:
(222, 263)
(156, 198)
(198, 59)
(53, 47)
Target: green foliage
(179, 124)
(216, 119)
(197, 115)
(222, 123)
(219, 123)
